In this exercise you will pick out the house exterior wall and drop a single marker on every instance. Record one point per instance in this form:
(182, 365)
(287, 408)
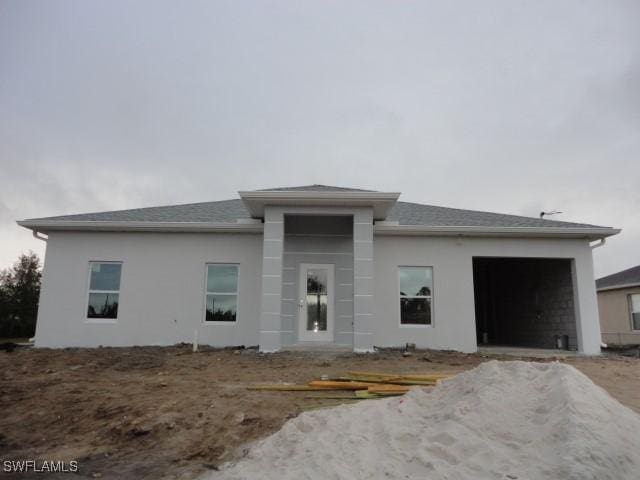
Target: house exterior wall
(453, 325)
(615, 318)
(162, 286)
(162, 289)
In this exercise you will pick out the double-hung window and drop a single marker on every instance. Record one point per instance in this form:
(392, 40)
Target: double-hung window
(221, 293)
(104, 289)
(634, 310)
(416, 289)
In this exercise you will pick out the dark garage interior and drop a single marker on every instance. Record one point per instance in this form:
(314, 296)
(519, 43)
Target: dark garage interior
(524, 302)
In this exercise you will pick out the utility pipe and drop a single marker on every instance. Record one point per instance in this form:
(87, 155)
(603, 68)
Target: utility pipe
(599, 244)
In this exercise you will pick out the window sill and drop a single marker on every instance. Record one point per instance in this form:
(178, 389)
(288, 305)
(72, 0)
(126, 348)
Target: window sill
(219, 323)
(104, 321)
(415, 325)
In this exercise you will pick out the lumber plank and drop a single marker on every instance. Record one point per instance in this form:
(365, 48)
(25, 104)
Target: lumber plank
(382, 388)
(340, 385)
(391, 376)
(289, 388)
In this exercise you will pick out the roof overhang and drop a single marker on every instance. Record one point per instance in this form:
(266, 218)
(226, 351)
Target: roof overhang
(594, 233)
(381, 202)
(619, 287)
(46, 226)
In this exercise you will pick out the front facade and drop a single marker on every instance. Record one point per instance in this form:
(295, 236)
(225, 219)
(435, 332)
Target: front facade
(619, 307)
(321, 266)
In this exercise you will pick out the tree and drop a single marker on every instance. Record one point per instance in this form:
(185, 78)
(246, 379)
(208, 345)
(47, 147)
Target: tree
(19, 294)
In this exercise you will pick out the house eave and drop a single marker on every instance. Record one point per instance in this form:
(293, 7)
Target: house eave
(618, 287)
(381, 202)
(473, 231)
(46, 226)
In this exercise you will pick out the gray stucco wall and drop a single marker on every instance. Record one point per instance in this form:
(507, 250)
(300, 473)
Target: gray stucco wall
(325, 240)
(161, 290)
(453, 293)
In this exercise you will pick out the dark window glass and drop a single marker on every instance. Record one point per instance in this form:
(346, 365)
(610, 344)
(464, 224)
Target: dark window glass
(221, 308)
(317, 312)
(634, 305)
(415, 311)
(103, 305)
(416, 285)
(317, 281)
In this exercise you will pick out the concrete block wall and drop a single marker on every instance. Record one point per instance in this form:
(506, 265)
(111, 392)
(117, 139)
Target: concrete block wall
(534, 302)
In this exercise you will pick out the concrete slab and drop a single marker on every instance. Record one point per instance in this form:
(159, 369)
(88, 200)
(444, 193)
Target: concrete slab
(526, 352)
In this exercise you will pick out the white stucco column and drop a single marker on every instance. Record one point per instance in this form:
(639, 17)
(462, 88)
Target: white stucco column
(363, 311)
(270, 302)
(586, 303)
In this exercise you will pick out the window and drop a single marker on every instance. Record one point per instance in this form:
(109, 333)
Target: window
(104, 289)
(222, 293)
(416, 285)
(634, 309)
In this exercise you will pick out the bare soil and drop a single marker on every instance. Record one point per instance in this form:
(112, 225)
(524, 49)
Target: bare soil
(165, 412)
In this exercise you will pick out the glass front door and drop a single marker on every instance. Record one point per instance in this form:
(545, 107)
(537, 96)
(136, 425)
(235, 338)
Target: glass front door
(315, 304)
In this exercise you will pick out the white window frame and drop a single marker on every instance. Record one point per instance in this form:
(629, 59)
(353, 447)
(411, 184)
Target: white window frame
(88, 319)
(207, 292)
(631, 312)
(430, 297)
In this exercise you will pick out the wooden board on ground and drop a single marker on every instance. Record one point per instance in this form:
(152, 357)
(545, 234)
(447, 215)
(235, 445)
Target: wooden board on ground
(393, 380)
(290, 388)
(340, 385)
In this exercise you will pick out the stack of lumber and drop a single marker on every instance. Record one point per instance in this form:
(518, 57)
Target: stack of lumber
(360, 385)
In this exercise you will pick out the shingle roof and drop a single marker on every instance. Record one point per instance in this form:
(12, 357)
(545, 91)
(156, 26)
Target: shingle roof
(225, 211)
(418, 214)
(630, 276)
(228, 211)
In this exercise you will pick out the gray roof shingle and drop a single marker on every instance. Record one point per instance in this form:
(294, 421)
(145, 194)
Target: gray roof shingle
(417, 214)
(228, 211)
(631, 276)
(225, 211)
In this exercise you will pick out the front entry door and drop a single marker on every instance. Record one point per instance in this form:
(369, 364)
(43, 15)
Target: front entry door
(315, 303)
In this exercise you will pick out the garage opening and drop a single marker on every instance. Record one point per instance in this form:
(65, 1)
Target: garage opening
(524, 302)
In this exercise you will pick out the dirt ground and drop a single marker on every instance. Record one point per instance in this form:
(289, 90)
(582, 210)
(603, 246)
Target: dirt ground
(152, 412)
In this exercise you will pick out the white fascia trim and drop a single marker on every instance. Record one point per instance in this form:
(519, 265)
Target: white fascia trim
(619, 287)
(284, 195)
(124, 226)
(590, 233)
(382, 202)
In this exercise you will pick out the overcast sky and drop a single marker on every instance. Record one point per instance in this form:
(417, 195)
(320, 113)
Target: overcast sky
(508, 106)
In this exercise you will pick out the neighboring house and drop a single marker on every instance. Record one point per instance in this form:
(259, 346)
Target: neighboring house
(316, 265)
(619, 306)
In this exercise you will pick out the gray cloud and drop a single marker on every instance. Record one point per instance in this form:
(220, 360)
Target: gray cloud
(503, 106)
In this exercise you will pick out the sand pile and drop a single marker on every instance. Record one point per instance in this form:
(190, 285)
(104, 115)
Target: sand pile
(502, 420)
